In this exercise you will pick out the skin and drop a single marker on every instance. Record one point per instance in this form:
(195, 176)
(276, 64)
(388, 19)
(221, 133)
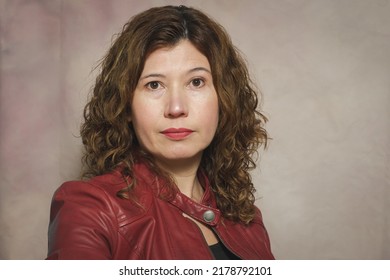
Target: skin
(175, 91)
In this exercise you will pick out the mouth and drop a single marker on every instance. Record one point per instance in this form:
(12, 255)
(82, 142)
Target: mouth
(177, 133)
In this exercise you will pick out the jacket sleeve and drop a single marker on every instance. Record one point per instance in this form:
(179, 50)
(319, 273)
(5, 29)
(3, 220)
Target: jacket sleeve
(83, 224)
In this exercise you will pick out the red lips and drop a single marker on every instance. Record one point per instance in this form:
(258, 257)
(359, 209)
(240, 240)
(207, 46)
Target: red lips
(177, 133)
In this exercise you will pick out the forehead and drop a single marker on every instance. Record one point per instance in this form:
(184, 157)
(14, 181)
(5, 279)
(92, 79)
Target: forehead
(183, 54)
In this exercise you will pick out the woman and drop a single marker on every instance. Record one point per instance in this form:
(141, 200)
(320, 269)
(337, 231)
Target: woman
(169, 133)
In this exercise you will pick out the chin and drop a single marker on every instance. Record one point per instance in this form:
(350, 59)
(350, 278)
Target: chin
(181, 156)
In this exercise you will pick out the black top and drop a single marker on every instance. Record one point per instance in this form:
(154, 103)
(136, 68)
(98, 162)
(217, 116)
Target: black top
(220, 252)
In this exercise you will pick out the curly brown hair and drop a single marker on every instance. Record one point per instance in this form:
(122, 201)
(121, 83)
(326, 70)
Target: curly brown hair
(108, 135)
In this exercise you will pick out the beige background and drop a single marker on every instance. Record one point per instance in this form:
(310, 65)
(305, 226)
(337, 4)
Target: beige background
(323, 67)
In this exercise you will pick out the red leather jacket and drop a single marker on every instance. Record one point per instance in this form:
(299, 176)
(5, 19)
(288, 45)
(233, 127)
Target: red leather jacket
(88, 221)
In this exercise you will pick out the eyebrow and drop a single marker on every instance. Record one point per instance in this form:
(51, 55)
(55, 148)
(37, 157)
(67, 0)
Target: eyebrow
(156, 75)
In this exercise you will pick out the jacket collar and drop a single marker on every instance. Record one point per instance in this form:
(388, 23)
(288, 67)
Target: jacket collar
(206, 211)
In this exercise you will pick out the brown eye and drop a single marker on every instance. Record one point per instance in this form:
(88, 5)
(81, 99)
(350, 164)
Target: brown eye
(197, 82)
(153, 85)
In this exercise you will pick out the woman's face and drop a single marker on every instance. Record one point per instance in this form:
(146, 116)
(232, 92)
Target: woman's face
(175, 105)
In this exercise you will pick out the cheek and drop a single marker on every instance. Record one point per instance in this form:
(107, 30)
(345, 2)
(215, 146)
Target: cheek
(142, 129)
(141, 123)
(211, 118)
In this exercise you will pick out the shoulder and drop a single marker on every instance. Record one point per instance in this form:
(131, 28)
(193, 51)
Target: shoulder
(98, 194)
(258, 218)
(100, 188)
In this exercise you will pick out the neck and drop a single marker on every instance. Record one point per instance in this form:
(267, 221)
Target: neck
(190, 186)
(184, 172)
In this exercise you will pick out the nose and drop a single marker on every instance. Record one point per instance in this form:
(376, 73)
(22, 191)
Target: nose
(176, 105)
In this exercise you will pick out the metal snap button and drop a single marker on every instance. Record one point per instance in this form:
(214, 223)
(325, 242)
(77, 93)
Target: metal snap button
(208, 216)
